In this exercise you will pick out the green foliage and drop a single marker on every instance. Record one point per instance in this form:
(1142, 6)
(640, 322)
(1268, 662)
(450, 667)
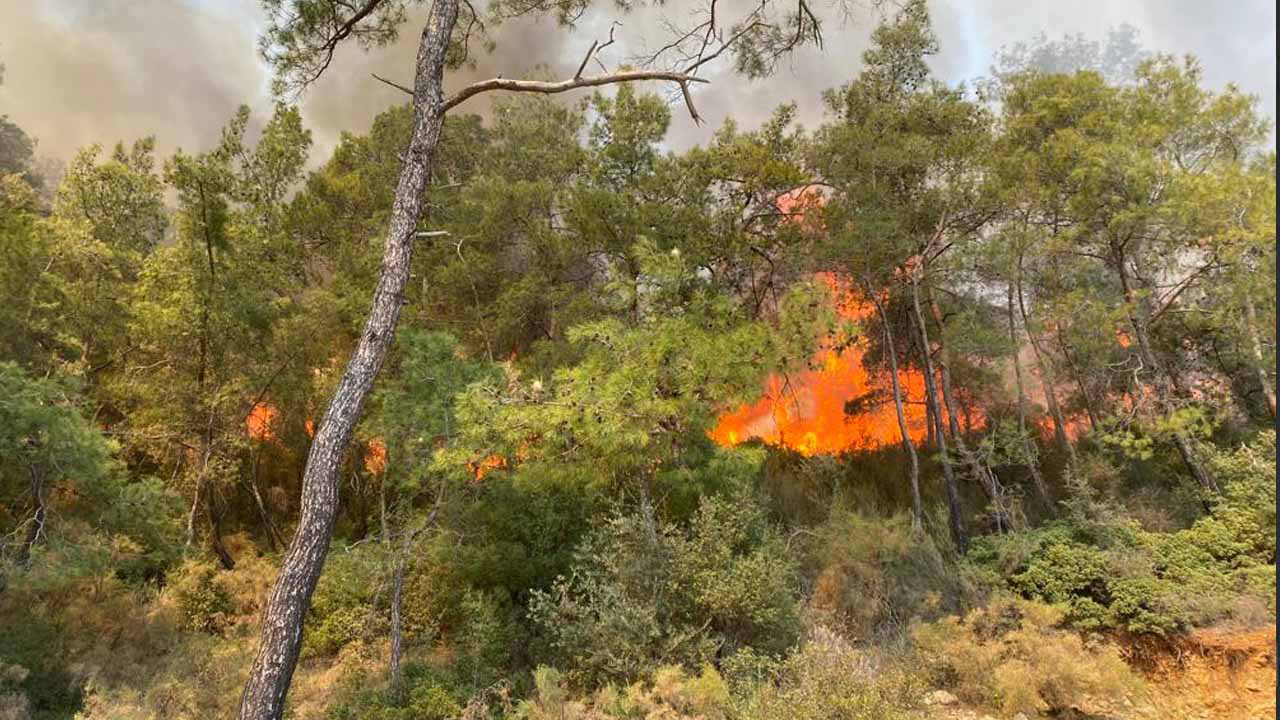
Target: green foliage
(33, 677)
(671, 693)
(205, 604)
(428, 695)
(345, 605)
(642, 593)
(56, 462)
(827, 677)
(1112, 574)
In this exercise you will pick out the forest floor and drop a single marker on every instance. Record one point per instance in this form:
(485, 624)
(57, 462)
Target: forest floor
(1210, 675)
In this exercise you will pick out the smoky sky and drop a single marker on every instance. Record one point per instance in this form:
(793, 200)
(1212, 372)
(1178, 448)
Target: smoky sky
(84, 71)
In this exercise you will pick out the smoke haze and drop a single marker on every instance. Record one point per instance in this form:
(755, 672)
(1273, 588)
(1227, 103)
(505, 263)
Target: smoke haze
(83, 71)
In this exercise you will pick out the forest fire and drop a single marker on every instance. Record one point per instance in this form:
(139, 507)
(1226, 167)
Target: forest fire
(260, 420)
(840, 406)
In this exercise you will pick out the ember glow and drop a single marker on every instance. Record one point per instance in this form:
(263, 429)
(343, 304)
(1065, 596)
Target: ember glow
(839, 407)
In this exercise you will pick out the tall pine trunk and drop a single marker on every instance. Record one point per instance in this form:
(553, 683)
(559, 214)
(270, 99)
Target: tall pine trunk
(1029, 447)
(1047, 377)
(1255, 346)
(990, 484)
(1168, 387)
(268, 683)
(917, 504)
(931, 398)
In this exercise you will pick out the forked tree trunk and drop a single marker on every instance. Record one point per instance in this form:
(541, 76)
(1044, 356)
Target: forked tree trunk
(990, 484)
(1028, 445)
(917, 504)
(1255, 346)
(1167, 385)
(931, 397)
(268, 683)
(36, 528)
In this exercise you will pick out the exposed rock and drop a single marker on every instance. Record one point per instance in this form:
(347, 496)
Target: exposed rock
(940, 697)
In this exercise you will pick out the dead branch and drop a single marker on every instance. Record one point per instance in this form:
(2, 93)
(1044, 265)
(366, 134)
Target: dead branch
(395, 85)
(550, 88)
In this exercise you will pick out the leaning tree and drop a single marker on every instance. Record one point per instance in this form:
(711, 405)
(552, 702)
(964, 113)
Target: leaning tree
(300, 42)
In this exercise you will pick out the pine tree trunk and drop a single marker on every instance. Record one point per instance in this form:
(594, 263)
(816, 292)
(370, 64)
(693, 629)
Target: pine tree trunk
(1033, 462)
(931, 398)
(1255, 345)
(269, 679)
(917, 504)
(1168, 388)
(990, 484)
(395, 671)
(1047, 378)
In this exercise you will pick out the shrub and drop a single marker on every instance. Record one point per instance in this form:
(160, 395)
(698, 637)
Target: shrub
(1013, 656)
(1110, 573)
(828, 678)
(429, 695)
(205, 605)
(643, 593)
(873, 576)
(669, 695)
(343, 608)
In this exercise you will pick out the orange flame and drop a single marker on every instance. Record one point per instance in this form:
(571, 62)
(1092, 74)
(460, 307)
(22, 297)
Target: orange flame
(259, 421)
(375, 457)
(839, 407)
(486, 466)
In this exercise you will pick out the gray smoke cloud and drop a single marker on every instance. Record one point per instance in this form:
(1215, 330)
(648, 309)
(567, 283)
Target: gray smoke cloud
(81, 71)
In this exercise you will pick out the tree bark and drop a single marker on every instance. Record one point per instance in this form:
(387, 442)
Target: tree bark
(917, 504)
(1168, 388)
(990, 484)
(1029, 447)
(1047, 380)
(36, 528)
(395, 671)
(215, 534)
(269, 678)
(1255, 345)
(931, 398)
(274, 538)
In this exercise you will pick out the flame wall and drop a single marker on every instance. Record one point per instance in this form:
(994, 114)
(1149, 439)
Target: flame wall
(837, 408)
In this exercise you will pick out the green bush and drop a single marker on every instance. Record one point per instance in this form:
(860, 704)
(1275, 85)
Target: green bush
(670, 694)
(645, 593)
(204, 603)
(1109, 573)
(428, 695)
(343, 608)
(828, 678)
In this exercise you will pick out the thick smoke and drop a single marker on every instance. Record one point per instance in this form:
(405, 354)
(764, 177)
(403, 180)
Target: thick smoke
(81, 71)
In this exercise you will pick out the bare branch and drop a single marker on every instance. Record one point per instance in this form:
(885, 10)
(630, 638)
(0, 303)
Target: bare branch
(551, 88)
(395, 85)
(595, 48)
(590, 51)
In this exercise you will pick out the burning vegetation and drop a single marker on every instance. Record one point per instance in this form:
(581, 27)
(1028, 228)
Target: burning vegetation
(839, 405)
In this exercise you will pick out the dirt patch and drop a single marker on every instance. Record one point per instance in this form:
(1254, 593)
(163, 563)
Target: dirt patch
(1212, 674)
